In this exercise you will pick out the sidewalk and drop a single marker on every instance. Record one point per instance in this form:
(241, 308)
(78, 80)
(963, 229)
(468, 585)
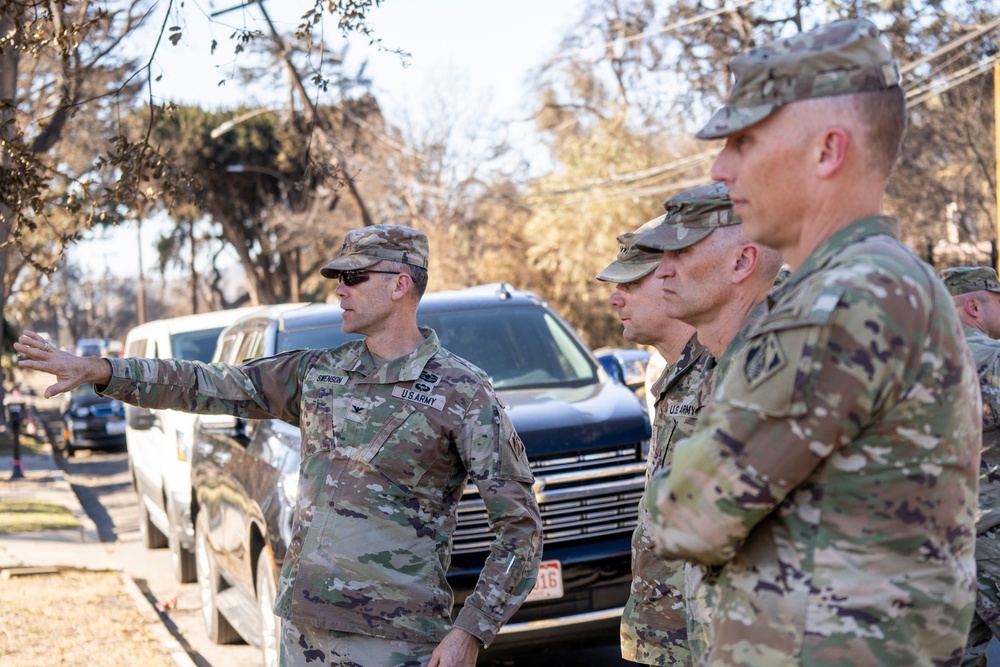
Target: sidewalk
(25, 554)
(43, 480)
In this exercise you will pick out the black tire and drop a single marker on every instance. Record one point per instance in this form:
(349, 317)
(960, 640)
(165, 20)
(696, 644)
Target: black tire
(151, 536)
(182, 560)
(217, 627)
(270, 626)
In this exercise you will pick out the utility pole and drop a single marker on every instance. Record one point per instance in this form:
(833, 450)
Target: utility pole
(141, 286)
(996, 148)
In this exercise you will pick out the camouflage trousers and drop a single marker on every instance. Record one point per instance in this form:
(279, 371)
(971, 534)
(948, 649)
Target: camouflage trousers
(305, 646)
(649, 643)
(986, 621)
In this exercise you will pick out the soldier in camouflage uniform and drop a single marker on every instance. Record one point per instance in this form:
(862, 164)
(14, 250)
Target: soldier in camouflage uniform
(392, 427)
(829, 488)
(976, 294)
(711, 277)
(654, 625)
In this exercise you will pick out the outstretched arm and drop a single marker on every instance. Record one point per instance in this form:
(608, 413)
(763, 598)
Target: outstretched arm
(70, 370)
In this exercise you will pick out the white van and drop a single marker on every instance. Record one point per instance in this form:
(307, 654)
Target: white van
(159, 441)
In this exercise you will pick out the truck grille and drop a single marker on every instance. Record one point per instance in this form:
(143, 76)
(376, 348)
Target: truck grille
(581, 496)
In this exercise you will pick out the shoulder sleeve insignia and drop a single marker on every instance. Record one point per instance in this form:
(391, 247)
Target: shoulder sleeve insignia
(763, 358)
(516, 445)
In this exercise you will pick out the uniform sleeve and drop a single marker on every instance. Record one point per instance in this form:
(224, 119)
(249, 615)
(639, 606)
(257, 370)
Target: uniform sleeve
(259, 389)
(498, 466)
(801, 387)
(989, 382)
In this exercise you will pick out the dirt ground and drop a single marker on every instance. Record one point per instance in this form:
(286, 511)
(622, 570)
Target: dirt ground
(77, 618)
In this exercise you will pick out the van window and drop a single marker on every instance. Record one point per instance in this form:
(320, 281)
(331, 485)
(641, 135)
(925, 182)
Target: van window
(195, 345)
(136, 348)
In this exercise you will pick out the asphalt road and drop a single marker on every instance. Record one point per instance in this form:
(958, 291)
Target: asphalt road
(102, 483)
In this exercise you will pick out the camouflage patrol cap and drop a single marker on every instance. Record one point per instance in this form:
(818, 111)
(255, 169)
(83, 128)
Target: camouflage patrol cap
(632, 263)
(835, 59)
(691, 216)
(370, 245)
(965, 279)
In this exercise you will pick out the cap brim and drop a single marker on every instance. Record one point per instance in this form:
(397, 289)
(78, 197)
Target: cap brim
(616, 272)
(730, 119)
(672, 237)
(347, 263)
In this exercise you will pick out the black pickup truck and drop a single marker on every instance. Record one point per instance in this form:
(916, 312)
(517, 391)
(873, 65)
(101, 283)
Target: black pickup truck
(586, 437)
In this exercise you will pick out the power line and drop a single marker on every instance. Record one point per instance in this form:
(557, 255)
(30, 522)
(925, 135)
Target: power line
(954, 44)
(934, 88)
(659, 31)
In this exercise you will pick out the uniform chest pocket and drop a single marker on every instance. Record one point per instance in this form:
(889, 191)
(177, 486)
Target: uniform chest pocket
(400, 450)
(389, 428)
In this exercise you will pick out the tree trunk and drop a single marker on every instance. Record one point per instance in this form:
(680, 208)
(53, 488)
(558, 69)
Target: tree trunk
(9, 60)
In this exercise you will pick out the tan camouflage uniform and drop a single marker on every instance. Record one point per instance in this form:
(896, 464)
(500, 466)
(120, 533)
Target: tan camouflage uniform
(386, 452)
(986, 622)
(986, 356)
(830, 485)
(654, 628)
(385, 455)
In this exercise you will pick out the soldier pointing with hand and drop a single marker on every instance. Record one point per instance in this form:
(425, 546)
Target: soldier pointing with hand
(392, 427)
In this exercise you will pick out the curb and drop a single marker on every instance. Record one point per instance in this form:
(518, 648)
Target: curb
(56, 488)
(88, 529)
(167, 640)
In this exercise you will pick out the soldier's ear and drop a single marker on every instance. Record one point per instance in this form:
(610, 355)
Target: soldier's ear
(403, 285)
(971, 306)
(833, 147)
(746, 262)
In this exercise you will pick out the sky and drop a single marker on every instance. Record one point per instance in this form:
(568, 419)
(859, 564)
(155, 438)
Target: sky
(476, 53)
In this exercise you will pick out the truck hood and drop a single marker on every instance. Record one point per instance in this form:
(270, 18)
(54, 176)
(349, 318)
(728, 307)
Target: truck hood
(572, 419)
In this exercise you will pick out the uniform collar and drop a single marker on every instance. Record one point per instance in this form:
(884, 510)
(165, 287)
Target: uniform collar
(692, 352)
(876, 225)
(402, 369)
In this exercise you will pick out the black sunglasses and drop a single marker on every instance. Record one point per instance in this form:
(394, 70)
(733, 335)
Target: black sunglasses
(352, 278)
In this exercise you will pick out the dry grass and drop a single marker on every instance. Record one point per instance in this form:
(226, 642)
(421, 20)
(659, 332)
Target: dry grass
(76, 618)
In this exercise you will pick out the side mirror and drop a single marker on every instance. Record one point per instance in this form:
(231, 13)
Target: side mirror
(139, 419)
(613, 367)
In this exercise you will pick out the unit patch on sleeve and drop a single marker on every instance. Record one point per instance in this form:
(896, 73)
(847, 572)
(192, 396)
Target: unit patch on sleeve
(516, 445)
(762, 359)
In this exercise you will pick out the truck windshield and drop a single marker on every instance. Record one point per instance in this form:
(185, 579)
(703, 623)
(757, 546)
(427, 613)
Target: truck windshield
(519, 348)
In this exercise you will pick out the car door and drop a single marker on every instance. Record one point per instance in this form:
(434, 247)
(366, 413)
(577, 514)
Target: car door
(211, 452)
(235, 503)
(144, 433)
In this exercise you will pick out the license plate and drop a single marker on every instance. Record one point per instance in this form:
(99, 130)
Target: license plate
(549, 583)
(115, 428)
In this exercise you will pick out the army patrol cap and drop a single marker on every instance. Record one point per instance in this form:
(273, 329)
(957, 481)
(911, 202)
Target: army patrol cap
(835, 59)
(691, 216)
(965, 279)
(632, 263)
(370, 245)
